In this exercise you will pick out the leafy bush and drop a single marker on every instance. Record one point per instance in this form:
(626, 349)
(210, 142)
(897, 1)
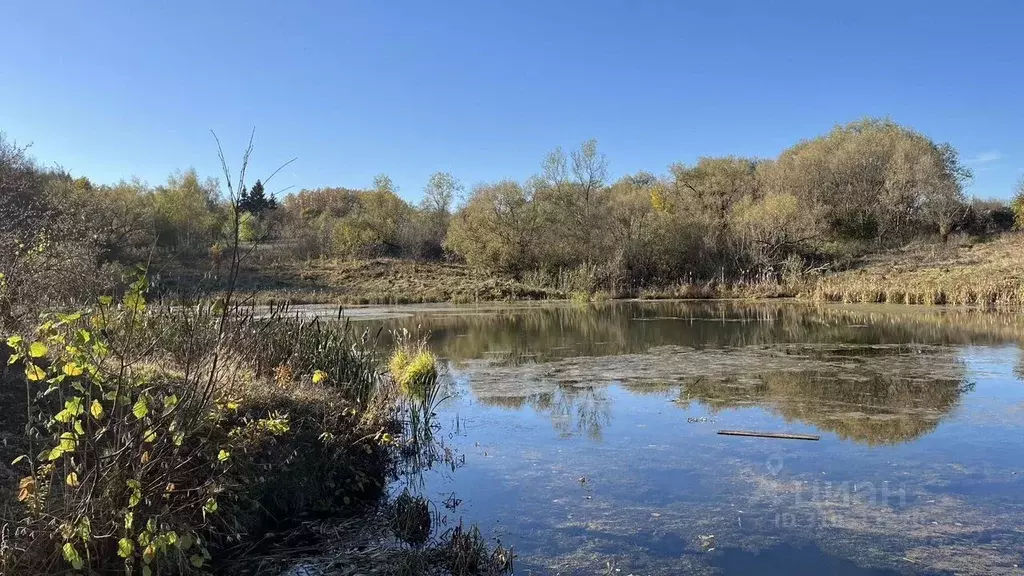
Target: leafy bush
(155, 465)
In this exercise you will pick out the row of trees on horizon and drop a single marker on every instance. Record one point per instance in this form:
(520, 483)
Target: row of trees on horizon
(862, 186)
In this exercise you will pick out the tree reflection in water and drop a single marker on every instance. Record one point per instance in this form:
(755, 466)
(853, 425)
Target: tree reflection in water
(874, 395)
(574, 411)
(872, 409)
(544, 333)
(852, 371)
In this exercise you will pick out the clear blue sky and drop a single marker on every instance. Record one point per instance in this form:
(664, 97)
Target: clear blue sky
(483, 88)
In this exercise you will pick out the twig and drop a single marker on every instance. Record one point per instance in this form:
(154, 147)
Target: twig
(781, 435)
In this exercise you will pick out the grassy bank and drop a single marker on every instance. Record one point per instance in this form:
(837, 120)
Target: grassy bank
(965, 272)
(271, 278)
(379, 281)
(168, 441)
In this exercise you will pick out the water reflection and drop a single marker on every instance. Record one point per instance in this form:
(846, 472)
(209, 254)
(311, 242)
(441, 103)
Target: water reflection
(573, 411)
(873, 409)
(920, 405)
(874, 395)
(513, 335)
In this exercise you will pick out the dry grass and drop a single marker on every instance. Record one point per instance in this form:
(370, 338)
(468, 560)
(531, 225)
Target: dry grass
(378, 281)
(713, 290)
(962, 273)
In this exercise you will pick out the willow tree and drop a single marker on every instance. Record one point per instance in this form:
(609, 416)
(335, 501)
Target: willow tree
(876, 180)
(374, 226)
(571, 194)
(632, 228)
(497, 228)
(435, 213)
(187, 213)
(773, 228)
(703, 197)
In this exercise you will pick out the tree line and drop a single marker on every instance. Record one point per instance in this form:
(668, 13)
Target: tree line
(863, 186)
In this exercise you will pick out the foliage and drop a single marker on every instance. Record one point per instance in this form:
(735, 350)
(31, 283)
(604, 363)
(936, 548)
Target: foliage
(121, 219)
(113, 472)
(24, 206)
(156, 466)
(984, 217)
(721, 219)
(434, 216)
(255, 200)
(862, 187)
(157, 438)
(876, 180)
(42, 237)
(571, 196)
(188, 216)
(1017, 205)
(579, 298)
(373, 227)
(497, 228)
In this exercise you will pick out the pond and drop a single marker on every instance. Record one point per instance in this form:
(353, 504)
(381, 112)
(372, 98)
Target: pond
(589, 436)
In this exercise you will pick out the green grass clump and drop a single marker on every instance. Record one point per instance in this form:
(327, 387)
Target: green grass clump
(421, 369)
(415, 371)
(398, 363)
(580, 298)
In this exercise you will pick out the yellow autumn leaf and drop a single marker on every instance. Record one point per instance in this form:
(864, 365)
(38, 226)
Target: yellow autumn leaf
(37, 350)
(319, 376)
(72, 555)
(34, 373)
(73, 369)
(72, 480)
(125, 547)
(68, 442)
(170, 401)
(96, 410)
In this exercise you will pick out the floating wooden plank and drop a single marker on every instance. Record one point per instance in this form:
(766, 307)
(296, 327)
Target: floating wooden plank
(782, 435)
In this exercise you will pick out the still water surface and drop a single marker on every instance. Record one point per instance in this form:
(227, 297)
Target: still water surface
(590, 436)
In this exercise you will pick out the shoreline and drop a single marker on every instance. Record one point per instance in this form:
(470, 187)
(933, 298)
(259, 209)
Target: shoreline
(985, 274)
(372, 312)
